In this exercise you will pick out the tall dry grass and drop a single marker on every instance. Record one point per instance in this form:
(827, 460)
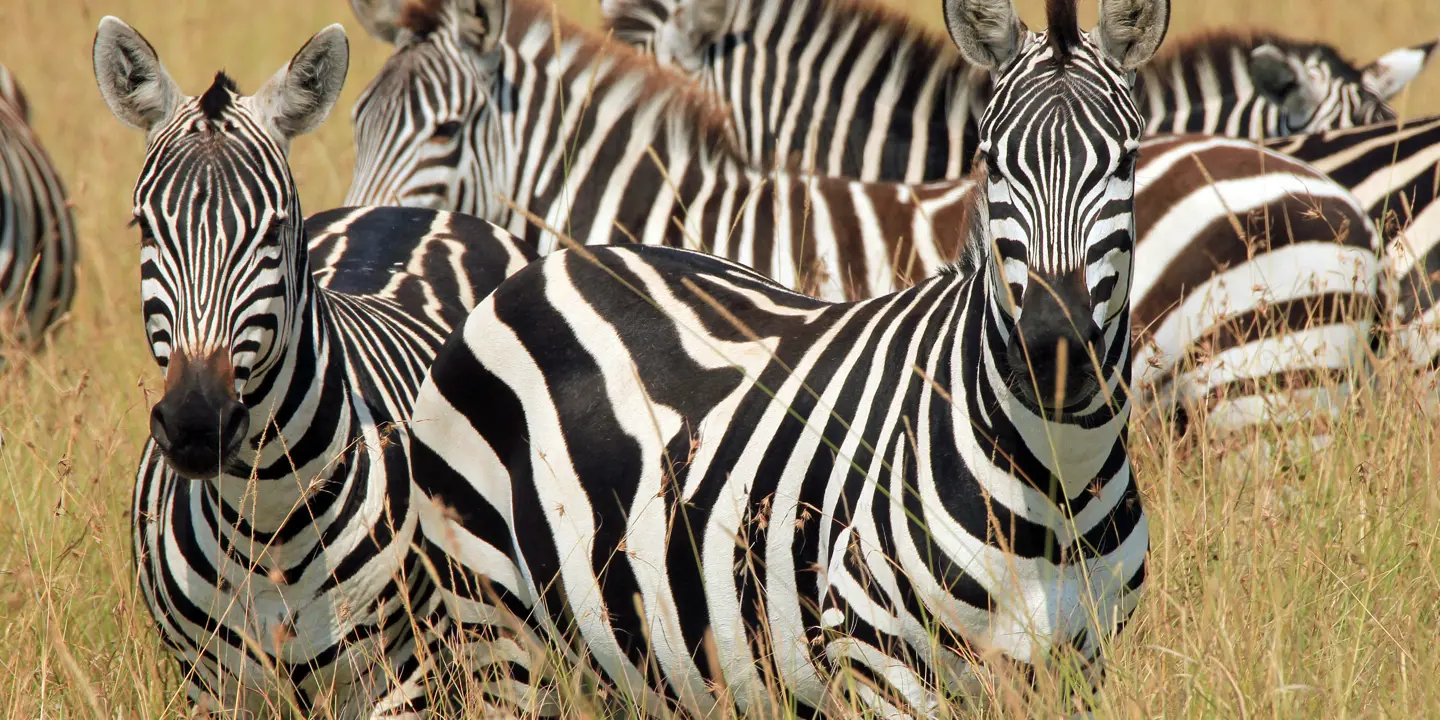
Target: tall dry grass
(1282, 587)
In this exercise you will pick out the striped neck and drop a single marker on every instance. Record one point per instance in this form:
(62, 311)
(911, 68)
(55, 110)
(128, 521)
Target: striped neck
(303, 425)
(1031, 441)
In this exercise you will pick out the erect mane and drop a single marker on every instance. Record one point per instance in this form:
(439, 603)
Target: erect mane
(1063, 20)
(709, 119)
(217, 99)
(868, 13)
(1219, 43)
(421, 17)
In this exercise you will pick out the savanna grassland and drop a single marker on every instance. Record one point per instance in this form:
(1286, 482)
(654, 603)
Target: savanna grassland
(1292, 586)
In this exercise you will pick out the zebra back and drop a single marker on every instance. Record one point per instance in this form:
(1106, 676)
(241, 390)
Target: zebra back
(38, 244)
(1393, 169)
(904, 107)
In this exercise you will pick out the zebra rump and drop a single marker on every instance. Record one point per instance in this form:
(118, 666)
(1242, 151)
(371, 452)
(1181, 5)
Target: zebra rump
(37, 231)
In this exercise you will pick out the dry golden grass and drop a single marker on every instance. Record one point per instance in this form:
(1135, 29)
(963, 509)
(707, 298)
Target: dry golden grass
(1298, 588)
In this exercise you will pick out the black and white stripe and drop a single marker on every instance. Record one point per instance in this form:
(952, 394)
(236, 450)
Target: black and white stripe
(851, 89)
(591, 140)
(1393, 169)
(885, 488)
(37, 231)
(275, 536)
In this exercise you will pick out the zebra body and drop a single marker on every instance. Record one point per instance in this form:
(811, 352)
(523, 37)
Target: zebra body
(37, 231)
(273, 523)
(847, 88)
(600, 146)
(1393, 169)
(776, 474)
(1256, 285)
(833, 238)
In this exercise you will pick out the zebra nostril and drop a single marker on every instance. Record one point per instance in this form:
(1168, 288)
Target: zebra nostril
(158, 430)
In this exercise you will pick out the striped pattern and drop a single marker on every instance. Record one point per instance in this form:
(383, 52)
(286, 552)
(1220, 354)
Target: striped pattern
(1393, 169)
(797, 500)
(1256, 286)
(38, 246)
(598, 145)
(275, 536)
(851, 89)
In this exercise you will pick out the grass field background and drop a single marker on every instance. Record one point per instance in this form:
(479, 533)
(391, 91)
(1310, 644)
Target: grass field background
(1304, 587)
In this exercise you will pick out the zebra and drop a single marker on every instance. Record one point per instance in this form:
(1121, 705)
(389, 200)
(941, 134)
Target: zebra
(38, 245)
(851, 89)
(616, 419)
(1392, 169)
(272, 518)
(482, 110)
(427, 133)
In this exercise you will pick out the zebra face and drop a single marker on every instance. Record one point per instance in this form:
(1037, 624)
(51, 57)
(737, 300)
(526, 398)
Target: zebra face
(223, 266)
(1315, 89)
(1059, 142)
(419, 122)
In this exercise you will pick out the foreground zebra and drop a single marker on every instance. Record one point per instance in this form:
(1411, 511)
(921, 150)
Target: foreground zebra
(907, 491)
(37, 232)
(851, 89)
(273, 523)
(437, 128)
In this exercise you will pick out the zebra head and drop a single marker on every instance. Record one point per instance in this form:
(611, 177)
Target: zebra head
(223, 266)
(1317, 89)
(1059, 142)
(418, 121)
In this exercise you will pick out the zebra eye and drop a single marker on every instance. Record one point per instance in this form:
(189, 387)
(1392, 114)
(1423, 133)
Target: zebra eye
(992, 166)
(147, 236)
(446, 130)
(1126, 169)
(271, 238)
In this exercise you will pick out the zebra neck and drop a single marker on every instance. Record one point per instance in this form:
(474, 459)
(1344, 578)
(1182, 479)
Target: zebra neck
(304, 422)
(1071, 449)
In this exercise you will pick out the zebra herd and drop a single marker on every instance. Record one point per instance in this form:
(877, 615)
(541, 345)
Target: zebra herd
(760, 352)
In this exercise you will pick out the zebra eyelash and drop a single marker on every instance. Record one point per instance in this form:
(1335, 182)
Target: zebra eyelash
(147, 236)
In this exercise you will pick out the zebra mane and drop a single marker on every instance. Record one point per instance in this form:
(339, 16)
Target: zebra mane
(217, 99)
(1220, 43)
(975, 242)
(708, 118)
(1063, 20)
(641, 18)
(421, 17)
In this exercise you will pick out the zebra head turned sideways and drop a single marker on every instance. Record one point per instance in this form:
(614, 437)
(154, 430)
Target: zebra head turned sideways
(414, 123)
(697, 479)
(222, 247)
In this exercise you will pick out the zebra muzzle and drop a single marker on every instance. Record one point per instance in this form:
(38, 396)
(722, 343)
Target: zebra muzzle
(199, 424)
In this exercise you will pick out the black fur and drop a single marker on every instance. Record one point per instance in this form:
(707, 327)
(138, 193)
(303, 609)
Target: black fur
(217, 99)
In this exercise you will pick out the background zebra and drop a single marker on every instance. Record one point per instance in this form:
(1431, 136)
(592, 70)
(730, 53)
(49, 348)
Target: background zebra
(1393, 169)
(272, 515)
(433, 128)
(851, 89)
(907, 489)
(37, 232)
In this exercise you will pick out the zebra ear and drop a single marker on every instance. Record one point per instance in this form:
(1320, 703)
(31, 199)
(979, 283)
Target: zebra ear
(1394, 70)
(11, 93)
(988, 32)
(1279, 80)
(380, 18)
(700, 21)
(134, 83)
(1130, 31)
(299, 97)
(482, 22)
